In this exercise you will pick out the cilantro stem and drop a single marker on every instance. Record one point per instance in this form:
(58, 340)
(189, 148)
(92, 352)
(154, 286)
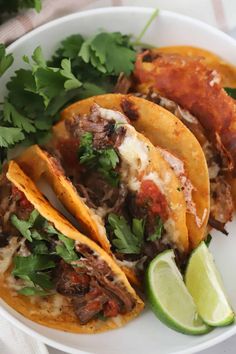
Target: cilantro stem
(144, 30)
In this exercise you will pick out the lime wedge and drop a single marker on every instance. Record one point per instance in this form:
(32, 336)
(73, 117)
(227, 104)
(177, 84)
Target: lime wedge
(169, 297)
(205, 285)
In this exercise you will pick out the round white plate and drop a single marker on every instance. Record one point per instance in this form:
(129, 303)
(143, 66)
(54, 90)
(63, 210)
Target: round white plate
(146, 333)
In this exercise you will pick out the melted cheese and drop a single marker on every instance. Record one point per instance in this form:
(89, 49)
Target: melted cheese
(135, 158)
(187, 187)
(7, 253)
(110, 114)
(52, 306)
(134, 152)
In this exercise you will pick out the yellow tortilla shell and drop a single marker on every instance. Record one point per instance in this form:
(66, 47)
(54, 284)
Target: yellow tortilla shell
(213, 61)
(163, 129)
(40, 310)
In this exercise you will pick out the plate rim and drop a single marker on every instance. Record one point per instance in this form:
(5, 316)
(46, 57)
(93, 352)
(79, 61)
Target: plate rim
(47, 26)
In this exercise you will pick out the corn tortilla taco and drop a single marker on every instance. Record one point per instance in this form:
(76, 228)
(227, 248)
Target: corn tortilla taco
(50, 272)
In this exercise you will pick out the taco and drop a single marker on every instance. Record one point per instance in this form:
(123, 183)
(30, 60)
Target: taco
(120, 181)
(50, 272)
(192, 88)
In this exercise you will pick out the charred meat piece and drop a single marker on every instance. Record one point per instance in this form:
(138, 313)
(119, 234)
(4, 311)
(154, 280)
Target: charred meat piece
(190, 83)
(91, 287)
(104, 131)
(4, 239)
(70, 282)
(103, 274)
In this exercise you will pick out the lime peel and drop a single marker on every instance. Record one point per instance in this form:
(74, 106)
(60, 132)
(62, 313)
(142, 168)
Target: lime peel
(169, 297)
(205, 285)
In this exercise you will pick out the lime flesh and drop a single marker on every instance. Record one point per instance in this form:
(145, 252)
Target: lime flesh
(169, 297)
(205, 285)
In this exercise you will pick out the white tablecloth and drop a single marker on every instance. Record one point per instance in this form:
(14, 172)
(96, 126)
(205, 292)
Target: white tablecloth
(220, 13)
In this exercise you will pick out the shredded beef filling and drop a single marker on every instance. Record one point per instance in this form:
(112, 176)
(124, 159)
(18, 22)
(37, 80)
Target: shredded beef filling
(105, 133)
(90, 285)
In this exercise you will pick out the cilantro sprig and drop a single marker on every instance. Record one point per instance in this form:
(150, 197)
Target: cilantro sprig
(157, 232)
(231, 91)
(103, 160)
(127, 240)
(80, 68)
(32, 270)
(65, 248)
(6, 60)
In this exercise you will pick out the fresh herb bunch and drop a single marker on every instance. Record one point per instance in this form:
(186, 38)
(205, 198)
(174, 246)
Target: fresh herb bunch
(80, 68)
(37, 94)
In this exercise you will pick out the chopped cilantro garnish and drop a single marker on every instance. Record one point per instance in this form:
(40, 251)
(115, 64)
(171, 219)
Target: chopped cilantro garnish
(6, 60)
(158, 231)
(126, 240)
(31, 269)
(25, 226)
(208, 240)
(231, 91)
(80, 68)
(65, 249)
(39, 247)
(32, 291)
(104, 160)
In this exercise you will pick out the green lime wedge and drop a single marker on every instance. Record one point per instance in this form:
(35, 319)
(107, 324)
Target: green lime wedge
(169, 297)
(205, 285)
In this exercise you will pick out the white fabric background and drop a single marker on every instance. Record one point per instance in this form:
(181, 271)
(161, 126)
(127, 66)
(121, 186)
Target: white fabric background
(219, 13)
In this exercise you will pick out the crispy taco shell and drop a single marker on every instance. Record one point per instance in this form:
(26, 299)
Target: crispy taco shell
(163, 129)
(41, 310)
(213, 61)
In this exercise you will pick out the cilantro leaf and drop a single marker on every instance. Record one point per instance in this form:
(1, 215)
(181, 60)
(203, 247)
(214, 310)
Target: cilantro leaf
(10, 136)
(108, 159)
(208, 240)
(158, 231)
(11, 115)
(24, 226)
(39, 247)
(32, 291)
(109, 52)
(126, 240)
(49, 83)
(69, 48)
(33, 263)
(104, 160)
(231, 91)
(31, 269)
(86, 152)
(66, 248)
(5, 60)
(72, 82)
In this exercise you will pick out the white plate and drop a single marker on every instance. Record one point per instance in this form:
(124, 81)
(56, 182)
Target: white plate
(146, 333)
